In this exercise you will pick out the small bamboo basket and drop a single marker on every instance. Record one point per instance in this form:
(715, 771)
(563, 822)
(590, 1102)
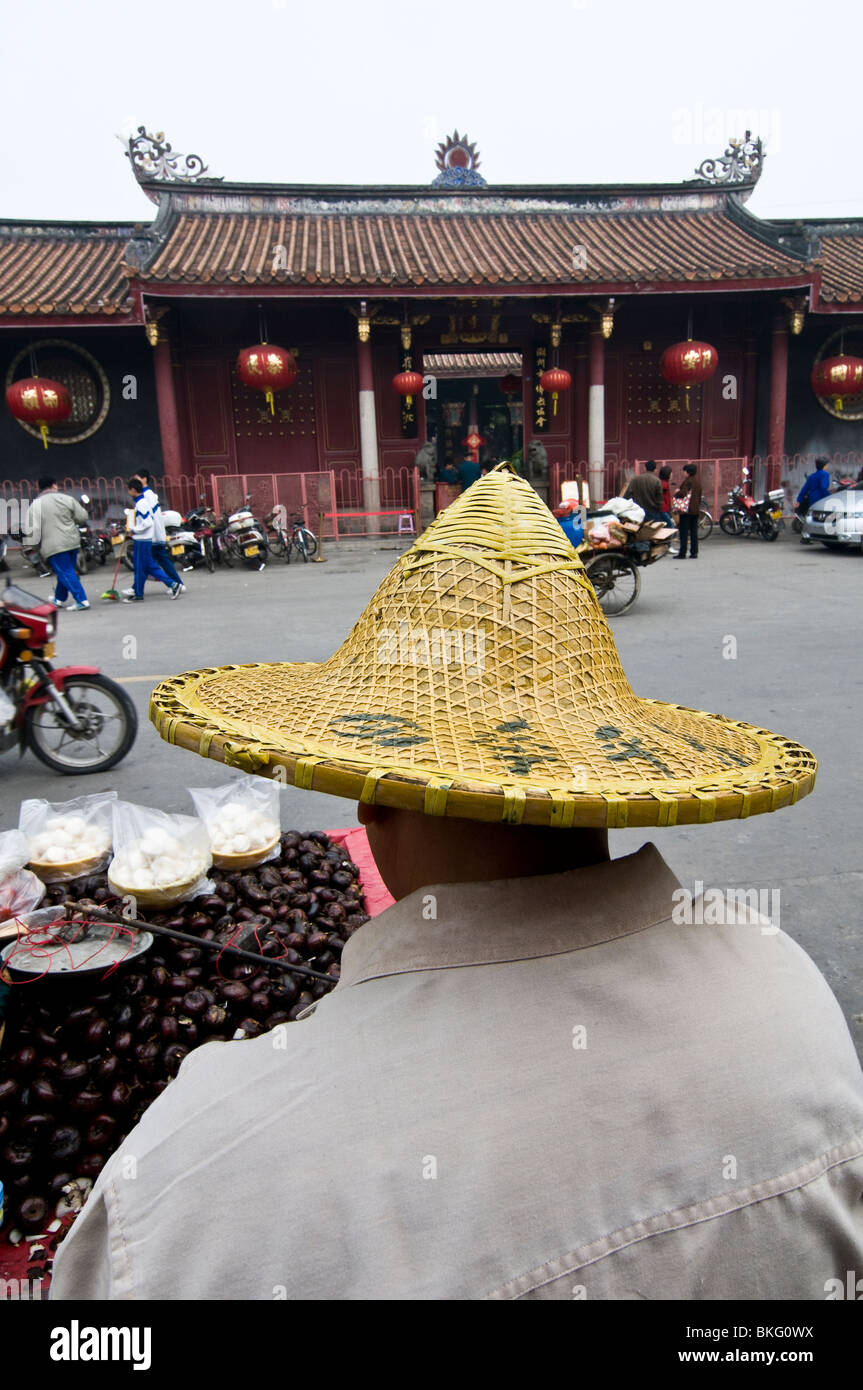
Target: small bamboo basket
(71, 869)
(164, 896)
(250, 860)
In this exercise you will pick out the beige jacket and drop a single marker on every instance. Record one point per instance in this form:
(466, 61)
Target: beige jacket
(541, 1088)
(52, 523)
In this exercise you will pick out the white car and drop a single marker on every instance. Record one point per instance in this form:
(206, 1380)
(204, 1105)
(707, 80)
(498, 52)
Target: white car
(836, 519)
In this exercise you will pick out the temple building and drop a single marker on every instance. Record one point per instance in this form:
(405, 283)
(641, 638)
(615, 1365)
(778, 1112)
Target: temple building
(478, 287)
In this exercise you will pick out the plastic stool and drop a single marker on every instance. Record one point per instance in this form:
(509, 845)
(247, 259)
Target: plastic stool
(406, 524)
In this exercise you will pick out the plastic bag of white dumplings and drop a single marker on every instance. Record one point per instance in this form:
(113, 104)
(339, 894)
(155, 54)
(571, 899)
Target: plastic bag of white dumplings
(68, 839)
(20, 890)
(242, 820)
(159, 858)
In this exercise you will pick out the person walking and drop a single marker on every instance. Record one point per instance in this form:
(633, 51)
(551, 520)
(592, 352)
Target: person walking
(161, 553)
(690, 492)
(52, 526)
(143, 530)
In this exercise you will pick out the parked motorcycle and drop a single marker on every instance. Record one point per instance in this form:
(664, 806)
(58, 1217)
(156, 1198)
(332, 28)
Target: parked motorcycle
(201, 522)
(247, 538)
(745, 517)
(73, 718)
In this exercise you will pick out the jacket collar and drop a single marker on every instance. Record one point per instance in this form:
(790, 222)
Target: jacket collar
(446, 926)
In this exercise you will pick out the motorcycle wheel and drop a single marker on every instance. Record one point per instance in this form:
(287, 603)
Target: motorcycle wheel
(81, 564)
(729, 522)
(128, 562)
(111, 724)
(769, 530)
(617, 582)
(705, 525)
(209, 559)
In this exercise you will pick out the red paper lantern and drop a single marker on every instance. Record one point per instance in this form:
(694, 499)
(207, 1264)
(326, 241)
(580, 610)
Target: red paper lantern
(37, 400)
(408, 384)
(838, 377)
(686, 364)
(555, 380)
(266, 368)
(510, 384)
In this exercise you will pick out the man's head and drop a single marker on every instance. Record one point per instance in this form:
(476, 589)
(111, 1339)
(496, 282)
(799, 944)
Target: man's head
(47, 483)
(135, 486)
(650, 466)
(665, 472)
(691, 469)
(822, 463)
(145, 478)
(413, 850)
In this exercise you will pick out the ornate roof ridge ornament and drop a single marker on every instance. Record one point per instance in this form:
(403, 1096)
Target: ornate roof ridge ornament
(153, 160)
(458, 161)
(741, 163)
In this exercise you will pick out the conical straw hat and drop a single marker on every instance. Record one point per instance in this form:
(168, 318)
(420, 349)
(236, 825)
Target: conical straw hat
(482, 681)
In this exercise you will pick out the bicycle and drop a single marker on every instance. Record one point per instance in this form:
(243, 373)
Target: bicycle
(299, 538)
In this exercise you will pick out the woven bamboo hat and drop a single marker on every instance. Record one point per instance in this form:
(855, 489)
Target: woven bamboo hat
(482, 681)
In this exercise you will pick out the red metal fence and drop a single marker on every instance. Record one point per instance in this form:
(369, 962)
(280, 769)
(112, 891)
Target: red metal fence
(309, 495)
(718, 476)
(335, 497)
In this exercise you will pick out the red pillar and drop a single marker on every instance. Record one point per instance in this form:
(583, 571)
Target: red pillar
(166, 400)
(778, 401)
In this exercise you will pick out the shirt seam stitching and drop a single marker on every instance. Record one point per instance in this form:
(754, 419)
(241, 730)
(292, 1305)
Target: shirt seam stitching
(783, 1184)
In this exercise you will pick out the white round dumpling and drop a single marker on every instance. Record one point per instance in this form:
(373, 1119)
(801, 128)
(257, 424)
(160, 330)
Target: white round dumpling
(55, 855)
(156, 841)
(75, 825)
(241, 844)
(143, 879)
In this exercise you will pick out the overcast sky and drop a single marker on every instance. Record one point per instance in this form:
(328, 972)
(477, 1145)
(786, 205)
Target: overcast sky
(361, 91)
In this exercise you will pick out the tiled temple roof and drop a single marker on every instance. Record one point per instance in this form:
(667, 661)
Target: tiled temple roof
(842, 268)
(58, 270)
(428, 249)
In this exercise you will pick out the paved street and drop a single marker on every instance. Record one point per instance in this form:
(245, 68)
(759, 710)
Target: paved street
(793, 611)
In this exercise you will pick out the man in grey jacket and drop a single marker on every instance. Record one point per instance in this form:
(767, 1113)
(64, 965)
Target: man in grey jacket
(53, 522)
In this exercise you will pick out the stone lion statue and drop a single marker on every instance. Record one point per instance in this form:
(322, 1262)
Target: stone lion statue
(536, 460)
(426, 459)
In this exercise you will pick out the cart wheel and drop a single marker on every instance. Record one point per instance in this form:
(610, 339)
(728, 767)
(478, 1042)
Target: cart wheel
(617, 582)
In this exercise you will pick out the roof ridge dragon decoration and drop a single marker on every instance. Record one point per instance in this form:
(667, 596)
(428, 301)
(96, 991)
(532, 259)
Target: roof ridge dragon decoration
(154, 161)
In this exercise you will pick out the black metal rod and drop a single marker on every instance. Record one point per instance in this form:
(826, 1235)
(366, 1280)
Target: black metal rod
(272, 961)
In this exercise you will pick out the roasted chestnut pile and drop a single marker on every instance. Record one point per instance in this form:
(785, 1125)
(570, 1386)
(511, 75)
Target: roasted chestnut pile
(77, 1070)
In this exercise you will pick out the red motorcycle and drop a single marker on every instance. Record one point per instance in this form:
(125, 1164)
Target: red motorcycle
(74, 719)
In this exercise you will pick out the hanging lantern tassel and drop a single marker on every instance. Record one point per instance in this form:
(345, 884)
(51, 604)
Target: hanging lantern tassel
(271, 401)
(43, 430)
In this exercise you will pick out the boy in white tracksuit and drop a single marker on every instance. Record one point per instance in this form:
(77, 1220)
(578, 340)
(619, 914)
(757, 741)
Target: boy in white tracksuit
(143, 532)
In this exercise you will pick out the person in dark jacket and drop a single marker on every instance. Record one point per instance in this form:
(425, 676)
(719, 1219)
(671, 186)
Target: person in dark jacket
(468, 474)
(688, 525)
(645, 489)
